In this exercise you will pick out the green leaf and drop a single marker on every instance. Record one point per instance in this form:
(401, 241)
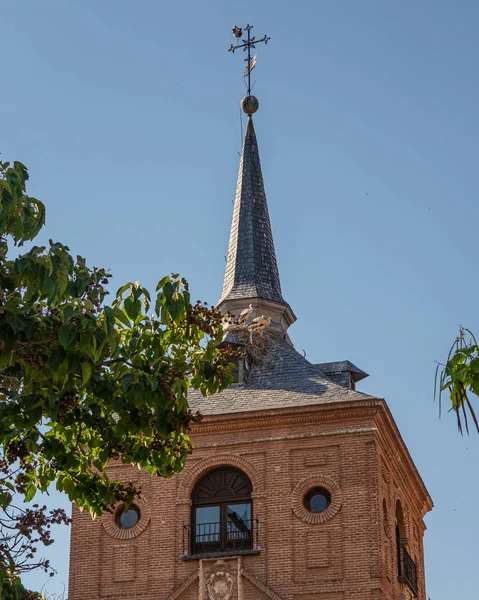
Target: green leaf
(62, 371)
(143, 453)
(126, 381)
(123, 289)
(66, 336)
(62, 281)
(30, 491)
(169, 290)
(5, 499)
(132, 307)
(176, 308)
(16, 322)
(49, 285)
(86, 372)
(21, 264)
(118, 403)
(121, 316)
(68, 312)
(162, 282)
(30, 445)
(81, 283)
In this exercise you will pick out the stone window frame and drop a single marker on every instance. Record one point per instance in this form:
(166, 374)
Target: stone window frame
(110, 524)
(303, 487)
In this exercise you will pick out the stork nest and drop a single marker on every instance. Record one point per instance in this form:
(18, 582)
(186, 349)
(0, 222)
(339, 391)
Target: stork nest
(256, 342)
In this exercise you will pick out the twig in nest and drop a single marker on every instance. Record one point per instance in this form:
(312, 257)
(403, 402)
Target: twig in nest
(256, 342)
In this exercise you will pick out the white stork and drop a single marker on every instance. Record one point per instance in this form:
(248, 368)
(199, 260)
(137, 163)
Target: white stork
(245, 314)
(260, 323)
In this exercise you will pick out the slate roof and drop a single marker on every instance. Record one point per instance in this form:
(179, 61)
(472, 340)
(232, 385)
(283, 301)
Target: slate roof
(251, 268)
(284, 380)
(342, 366)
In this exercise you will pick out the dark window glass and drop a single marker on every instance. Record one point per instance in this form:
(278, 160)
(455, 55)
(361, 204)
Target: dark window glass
(239, 521)
(129, 518)
(317, 500)
(207, 527)
(207, 514)
(239, 512)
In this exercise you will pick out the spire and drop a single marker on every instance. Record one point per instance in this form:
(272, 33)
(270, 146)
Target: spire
(251, 274)
(251, 286)
(251, 269)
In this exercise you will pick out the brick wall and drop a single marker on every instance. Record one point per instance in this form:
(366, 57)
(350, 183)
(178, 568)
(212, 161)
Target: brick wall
(347, 552)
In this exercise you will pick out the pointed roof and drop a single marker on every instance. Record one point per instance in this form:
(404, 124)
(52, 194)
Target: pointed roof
(251, 269)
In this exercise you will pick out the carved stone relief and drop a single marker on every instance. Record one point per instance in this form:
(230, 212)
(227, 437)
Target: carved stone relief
(219, 582)
(224, 580)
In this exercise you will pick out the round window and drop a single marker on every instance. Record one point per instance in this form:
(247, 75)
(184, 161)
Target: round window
(125, 519)
(317, 500)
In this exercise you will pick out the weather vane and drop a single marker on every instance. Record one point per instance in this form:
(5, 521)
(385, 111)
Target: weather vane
(247, 44)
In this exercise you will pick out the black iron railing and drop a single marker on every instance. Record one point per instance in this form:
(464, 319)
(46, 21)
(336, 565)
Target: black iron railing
(407, 570)
(224, 536)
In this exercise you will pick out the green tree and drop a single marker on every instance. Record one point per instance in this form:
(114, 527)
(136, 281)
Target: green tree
(83, 382)
(460, 377)
(23, 529)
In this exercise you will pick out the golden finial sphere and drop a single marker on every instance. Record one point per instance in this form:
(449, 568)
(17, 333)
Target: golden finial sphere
(249, 105)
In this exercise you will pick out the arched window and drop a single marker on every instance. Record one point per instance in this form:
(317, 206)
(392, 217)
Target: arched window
(400, 536)
(222, 512)
(406, 567)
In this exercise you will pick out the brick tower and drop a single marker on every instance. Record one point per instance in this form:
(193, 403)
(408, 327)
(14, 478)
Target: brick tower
(299, 486)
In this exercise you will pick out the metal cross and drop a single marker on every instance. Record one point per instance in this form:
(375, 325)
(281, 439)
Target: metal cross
(247, 44)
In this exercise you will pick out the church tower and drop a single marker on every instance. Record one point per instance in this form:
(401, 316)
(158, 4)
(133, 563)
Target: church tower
(299, 487)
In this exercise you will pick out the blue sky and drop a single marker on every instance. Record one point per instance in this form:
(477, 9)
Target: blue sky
(127, 115)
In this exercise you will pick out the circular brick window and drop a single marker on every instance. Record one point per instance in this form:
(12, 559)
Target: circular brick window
(125, 519)
(125, 525)
(316, 499)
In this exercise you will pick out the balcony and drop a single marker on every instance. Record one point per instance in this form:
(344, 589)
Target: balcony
(407, 571)
(224, 538)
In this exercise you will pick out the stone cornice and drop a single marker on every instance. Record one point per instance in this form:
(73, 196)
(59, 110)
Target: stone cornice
(318, 413)
(291, 436)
